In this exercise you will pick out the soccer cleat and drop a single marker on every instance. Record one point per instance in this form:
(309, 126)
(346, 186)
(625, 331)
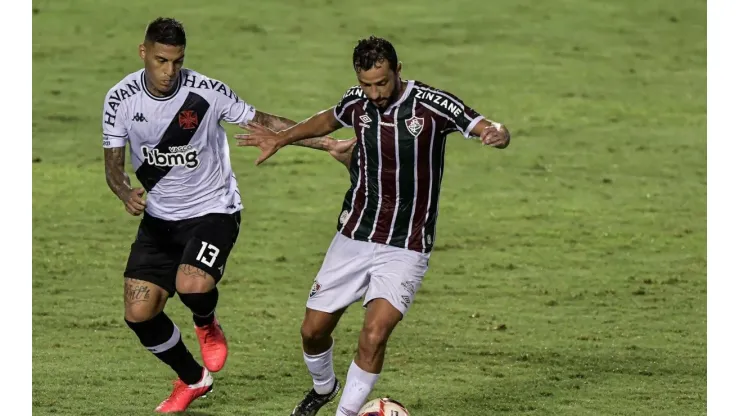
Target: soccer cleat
(213, 347)
(183, 394)
(313, 401)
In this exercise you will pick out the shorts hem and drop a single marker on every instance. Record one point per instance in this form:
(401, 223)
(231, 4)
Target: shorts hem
(325, 309)
(153, 280)
(391, 301)
(200, 267)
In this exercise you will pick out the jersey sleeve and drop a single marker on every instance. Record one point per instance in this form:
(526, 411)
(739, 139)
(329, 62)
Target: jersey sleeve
(114, 116)
(466, 120)
(343, 111)
(456, 114)
(233, 109)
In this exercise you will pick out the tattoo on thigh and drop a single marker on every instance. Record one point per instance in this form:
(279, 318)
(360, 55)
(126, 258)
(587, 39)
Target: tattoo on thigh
(192, 271)
(134, 293)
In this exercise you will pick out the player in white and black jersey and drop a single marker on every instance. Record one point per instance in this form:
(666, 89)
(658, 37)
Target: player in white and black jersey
(170, 118)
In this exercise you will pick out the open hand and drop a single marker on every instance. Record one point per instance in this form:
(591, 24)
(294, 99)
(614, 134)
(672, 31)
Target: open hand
(267, 140)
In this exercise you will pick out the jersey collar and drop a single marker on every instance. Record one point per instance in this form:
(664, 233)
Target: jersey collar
(401, 99)
(154, 97)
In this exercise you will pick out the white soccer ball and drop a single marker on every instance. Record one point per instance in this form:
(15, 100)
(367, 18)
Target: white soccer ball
(383, 407)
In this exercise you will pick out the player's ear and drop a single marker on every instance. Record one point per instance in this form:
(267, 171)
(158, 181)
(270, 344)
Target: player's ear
(142, 51)
(398, 68)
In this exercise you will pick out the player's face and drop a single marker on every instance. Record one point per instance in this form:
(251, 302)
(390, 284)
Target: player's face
(380, 84)
(162, 64)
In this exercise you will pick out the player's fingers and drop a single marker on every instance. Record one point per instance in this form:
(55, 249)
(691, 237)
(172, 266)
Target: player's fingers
(137, 205)
(248, 142)
(264, 156)
(138, 199)
(486, 138)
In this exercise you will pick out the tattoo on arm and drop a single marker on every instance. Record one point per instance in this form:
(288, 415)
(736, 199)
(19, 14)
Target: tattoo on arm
(192, 271)
(135, 293)
(273, 122)
(277, 123)
(115, 171)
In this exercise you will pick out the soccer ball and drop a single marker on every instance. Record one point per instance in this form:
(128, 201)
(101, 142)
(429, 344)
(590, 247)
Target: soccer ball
(383, 407)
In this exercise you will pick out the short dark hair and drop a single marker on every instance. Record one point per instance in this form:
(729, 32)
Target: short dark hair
(371, 51)
(166, 31)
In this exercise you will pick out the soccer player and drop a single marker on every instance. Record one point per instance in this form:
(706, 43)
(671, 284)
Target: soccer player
(387, 226)
(170, 117)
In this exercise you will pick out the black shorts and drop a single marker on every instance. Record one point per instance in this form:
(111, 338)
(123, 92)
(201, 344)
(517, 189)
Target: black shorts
(161, 246)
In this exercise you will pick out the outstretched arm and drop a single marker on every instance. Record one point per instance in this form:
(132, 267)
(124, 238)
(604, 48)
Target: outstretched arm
(270, 142)
(277, 123)
(319, 125)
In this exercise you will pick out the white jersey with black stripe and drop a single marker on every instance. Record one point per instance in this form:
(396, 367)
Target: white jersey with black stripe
(177, 145)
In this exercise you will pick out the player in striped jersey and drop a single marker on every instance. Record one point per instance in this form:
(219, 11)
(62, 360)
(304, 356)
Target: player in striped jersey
(170, 117)
(386, 228)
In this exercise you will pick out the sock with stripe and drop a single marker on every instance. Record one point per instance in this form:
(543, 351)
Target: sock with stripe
(162, 338)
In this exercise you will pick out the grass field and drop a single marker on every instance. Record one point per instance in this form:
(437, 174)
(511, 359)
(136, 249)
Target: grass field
(569, 276)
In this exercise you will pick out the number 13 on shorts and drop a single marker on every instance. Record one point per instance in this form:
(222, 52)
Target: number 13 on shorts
(207, 254)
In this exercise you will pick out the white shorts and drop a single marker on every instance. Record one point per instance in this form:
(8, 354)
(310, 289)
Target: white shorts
(353, 269)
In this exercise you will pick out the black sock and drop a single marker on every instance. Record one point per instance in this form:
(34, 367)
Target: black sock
(162, 338)
(203, 305)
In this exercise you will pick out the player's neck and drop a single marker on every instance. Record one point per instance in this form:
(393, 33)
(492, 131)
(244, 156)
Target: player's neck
(157, 93)
(399, 92)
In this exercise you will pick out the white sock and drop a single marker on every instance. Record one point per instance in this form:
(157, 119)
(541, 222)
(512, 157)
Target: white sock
(321, 368)
(359, 385)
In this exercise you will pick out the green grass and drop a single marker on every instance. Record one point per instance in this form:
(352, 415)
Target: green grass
(569, 276)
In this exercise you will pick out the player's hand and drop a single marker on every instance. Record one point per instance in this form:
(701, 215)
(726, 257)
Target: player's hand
(134, 201)
(342, 150)
(267, 140)
(496, 135)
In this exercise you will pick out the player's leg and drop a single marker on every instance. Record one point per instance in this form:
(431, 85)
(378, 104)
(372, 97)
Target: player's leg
(318, 346)
(144, 314)
(149, 282)
(208, 242)
(341, 281)
(395, 277)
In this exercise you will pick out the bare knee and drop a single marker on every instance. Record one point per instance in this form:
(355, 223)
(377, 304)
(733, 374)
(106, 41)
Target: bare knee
(314, 334)
(191, 279)
(142, 300)
(373, 339)
(316, 330)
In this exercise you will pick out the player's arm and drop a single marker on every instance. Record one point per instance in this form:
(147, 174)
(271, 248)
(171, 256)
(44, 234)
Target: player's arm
(270, 141)
(115, 171)
(459, 116)
(115, 137)
(119, 182)
(319, 125)
(277, 123)
(236, 111)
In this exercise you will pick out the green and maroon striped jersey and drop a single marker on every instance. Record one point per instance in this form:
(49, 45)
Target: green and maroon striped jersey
(397, 165)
